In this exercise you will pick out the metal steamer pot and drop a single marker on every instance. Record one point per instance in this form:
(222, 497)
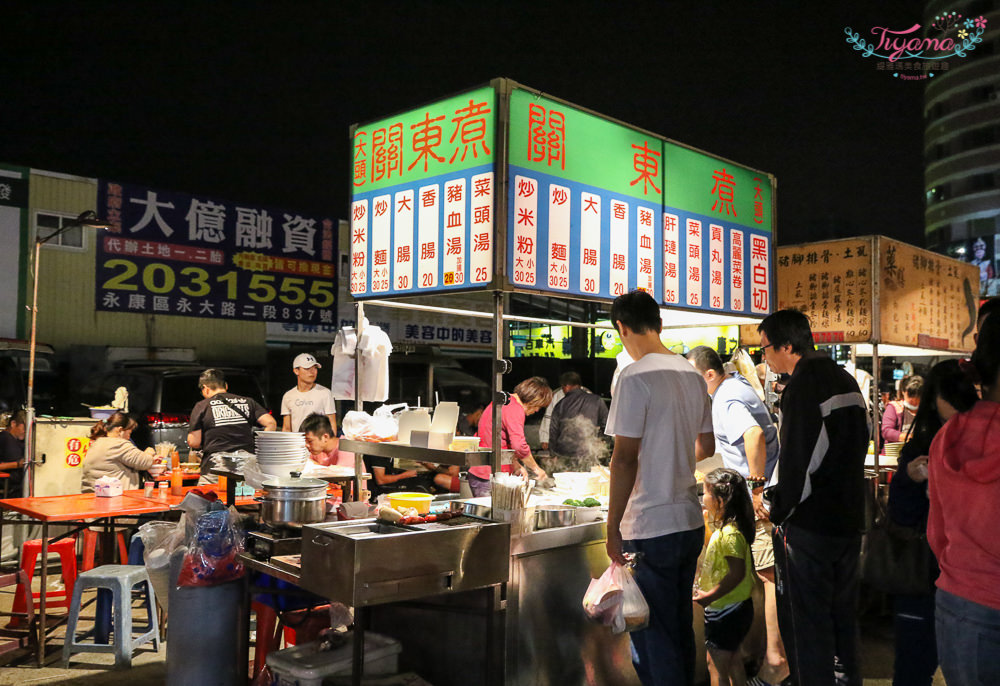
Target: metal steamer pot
(293, 501)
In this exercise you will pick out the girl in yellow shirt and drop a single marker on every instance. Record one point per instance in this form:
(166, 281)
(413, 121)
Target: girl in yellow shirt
(725, 583)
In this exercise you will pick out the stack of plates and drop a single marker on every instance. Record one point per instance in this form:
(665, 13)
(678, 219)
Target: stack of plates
(892, 451)
(280, 452)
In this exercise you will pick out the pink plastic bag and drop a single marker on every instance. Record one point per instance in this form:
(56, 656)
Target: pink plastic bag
(603, 599)
(615, 600)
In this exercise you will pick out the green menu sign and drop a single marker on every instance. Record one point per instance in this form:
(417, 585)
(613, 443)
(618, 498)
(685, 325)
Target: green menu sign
(550, 137)
(698, 183)
(441, 138)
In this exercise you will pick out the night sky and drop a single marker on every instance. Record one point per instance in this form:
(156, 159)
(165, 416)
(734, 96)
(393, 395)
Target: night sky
(252, 101)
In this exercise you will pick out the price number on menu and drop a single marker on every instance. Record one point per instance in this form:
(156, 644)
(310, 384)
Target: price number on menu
(195, 282)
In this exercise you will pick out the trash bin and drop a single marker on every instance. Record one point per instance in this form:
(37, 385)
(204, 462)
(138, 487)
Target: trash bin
(203, 638)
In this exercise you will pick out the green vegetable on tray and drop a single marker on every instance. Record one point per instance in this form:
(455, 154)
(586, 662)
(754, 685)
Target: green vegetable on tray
(591, 502)
(573, 502)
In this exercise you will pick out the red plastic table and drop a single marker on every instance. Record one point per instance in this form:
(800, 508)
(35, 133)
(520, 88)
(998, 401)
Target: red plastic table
(84, 507)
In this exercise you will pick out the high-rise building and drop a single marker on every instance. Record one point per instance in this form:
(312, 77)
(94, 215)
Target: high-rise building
(962, 145)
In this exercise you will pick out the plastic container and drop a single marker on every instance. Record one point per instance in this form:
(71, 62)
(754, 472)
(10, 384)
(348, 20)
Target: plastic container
(421, 501)
(302, 665)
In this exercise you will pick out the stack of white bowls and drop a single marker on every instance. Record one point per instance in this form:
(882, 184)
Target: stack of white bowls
(280, 452)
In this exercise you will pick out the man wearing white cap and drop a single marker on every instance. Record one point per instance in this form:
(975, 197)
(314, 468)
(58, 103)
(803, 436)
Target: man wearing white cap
(308, 397)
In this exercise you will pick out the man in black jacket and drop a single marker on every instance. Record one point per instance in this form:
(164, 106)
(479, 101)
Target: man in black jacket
(578, 421)
(817, 506)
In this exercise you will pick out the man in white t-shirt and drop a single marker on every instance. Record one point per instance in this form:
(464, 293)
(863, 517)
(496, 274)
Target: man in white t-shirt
(661, 418)
(308, 397)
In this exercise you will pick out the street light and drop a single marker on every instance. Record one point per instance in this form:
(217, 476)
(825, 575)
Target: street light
(85, 220)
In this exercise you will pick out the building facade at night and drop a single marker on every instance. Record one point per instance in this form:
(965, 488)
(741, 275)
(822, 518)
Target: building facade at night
(962, 145)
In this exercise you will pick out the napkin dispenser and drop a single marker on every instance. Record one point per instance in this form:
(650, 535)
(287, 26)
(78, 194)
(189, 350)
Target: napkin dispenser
(108, 487)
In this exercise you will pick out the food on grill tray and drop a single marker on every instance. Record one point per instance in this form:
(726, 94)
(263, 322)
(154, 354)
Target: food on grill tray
(409, 515)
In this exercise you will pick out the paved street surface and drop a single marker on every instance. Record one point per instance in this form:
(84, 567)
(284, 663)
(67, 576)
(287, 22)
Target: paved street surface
(149, 667)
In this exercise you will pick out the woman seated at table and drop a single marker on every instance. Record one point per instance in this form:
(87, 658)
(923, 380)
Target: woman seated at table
(12, 453)
(112, 453)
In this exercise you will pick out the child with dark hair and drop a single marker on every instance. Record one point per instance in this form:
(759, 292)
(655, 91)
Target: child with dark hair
(725, 584)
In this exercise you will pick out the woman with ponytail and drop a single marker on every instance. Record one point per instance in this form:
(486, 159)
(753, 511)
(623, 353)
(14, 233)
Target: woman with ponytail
(112, 453)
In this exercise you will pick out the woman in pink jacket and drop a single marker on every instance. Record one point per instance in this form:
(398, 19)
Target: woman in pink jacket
(529, 396)
(964, 489)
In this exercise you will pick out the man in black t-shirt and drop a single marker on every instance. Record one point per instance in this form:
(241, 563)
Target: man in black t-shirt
(223, 422)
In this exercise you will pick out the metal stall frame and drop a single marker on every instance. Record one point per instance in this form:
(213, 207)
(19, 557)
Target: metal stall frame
(500, 285)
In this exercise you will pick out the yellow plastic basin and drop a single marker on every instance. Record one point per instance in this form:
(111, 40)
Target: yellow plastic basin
(421, 501)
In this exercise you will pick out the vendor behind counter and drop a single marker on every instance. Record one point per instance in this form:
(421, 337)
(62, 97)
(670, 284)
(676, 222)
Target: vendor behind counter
(12, 453)
(529, 396)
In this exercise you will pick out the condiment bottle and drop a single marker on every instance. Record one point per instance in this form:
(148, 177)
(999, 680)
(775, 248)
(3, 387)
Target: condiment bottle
(176, 476)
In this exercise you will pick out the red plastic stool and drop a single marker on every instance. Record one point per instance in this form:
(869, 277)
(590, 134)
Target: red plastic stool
(30, 550)
(90, 539)
(299, 628)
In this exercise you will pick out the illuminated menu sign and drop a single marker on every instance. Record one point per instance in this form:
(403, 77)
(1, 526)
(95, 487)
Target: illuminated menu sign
(594, 208)
(717, 226)
(584, 195)
(422, 200)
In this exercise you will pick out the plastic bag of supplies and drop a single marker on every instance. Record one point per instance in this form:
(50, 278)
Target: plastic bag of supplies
(212, 557)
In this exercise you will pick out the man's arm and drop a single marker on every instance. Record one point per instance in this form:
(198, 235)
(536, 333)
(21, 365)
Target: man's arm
(383, 479)
(704, 446)
(333, 422)
(194, 439)
(800, 429)
(756, 447)
(624, 467)
(286, 422)
(268, 422)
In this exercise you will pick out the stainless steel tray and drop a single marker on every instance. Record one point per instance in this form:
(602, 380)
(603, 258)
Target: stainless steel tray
(471, 458)
(367, 562)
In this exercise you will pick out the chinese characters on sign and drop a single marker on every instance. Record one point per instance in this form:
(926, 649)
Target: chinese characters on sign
(717, 234)
(593, 208)
(170, 253)
(831, 282)
(585, 197)
(422, 201)
(924, 301)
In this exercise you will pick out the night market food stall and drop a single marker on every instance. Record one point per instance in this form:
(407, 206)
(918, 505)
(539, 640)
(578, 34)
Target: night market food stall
(882, 297)
(503, 190)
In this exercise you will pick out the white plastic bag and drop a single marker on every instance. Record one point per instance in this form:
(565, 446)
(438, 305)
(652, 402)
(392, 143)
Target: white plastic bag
(603, 600)
(634, 611)
(361, 426)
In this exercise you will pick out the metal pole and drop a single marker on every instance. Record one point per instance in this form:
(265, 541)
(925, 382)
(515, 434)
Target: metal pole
(29, 411)
(877, 429)
(359, 466)
(498, 336)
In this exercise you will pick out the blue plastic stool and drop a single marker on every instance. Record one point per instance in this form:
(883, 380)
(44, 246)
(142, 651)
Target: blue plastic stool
(119, 580)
